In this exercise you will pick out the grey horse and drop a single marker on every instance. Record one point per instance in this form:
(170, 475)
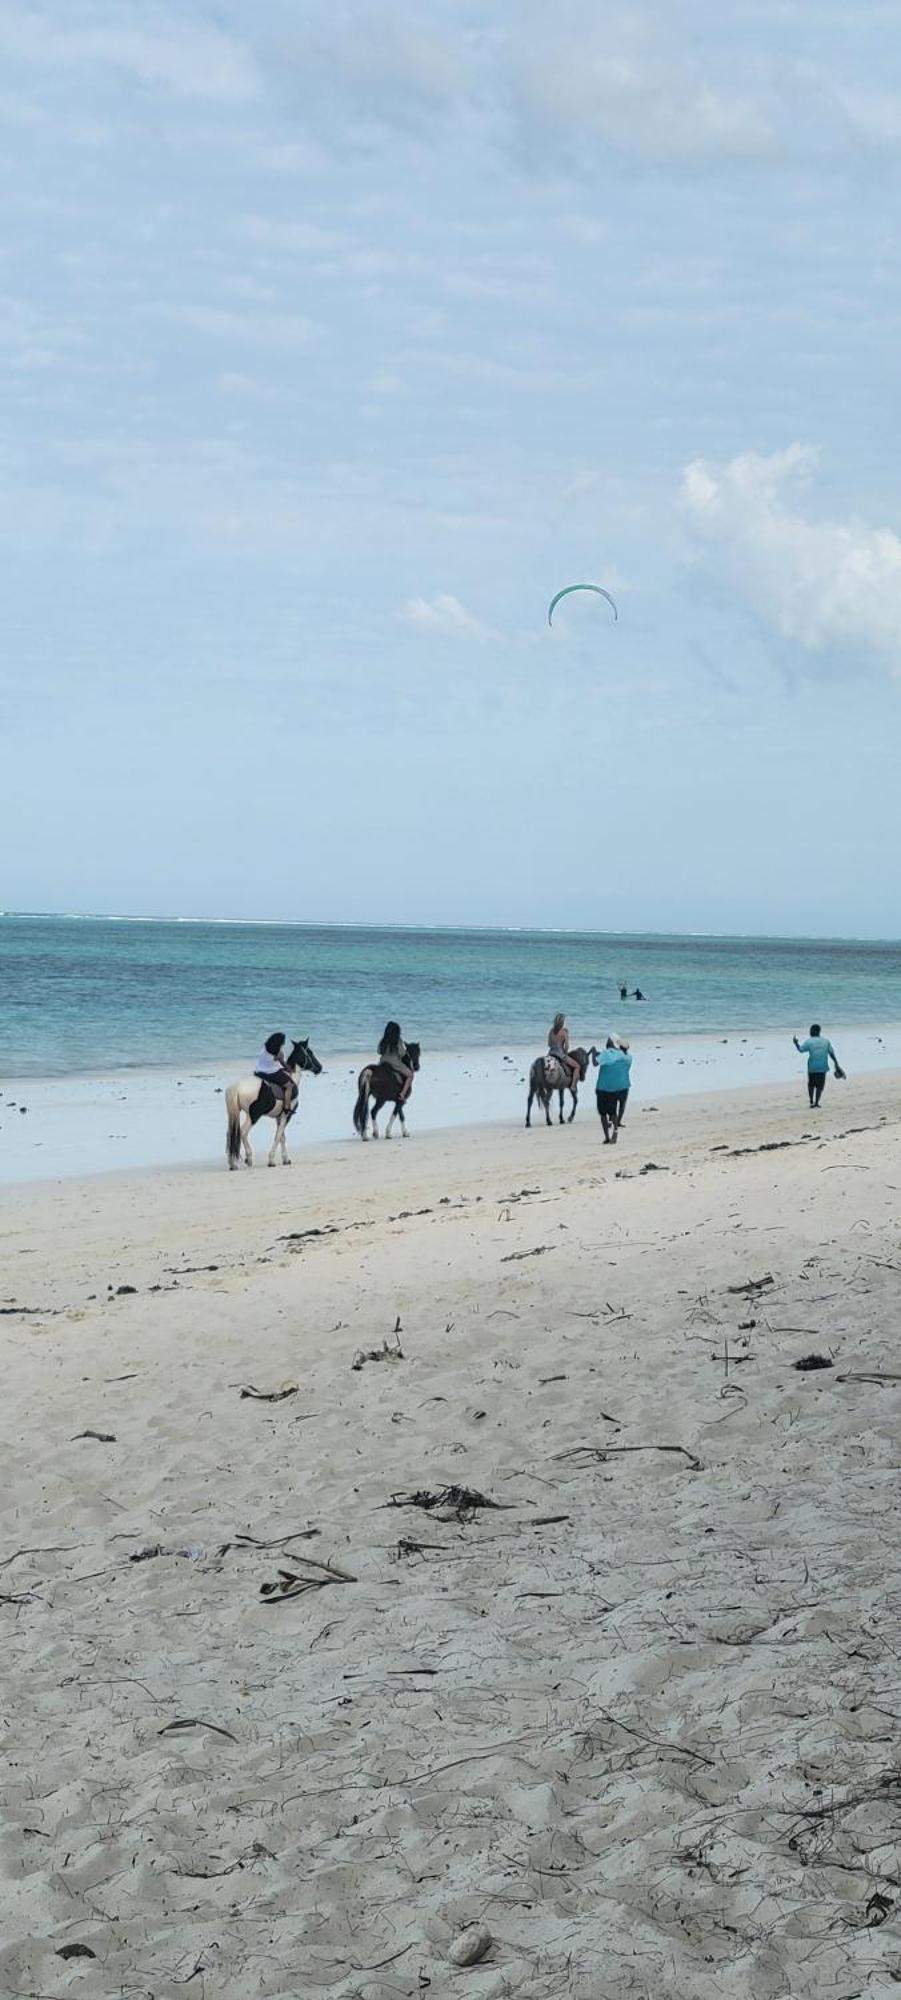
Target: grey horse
(546, 1076)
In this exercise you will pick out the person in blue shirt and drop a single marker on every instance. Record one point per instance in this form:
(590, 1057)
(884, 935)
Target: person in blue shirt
(613, 1064)
(819, 1052)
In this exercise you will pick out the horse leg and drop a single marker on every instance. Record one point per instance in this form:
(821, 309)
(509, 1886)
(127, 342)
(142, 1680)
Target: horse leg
(394, 1111)
(575, 1098)
(245, 1138)
(529, 1108)
(403, 1123)
(279, 1128)
(284, 1132)
(547, 1106)
(377, 1103)
(560, 1104)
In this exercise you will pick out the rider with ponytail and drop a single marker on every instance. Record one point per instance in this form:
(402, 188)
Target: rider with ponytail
(393, 1052)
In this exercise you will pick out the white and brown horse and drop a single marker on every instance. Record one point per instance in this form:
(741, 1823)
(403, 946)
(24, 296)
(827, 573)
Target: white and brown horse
(547, 1075)
(382, 1084)
(251, 1099)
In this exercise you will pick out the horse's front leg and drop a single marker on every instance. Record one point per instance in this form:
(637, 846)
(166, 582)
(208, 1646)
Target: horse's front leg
(529, 1109)
(560, 1103)
(575, 1098)
(279, 1129)
(403, 1123)
(394, 1111)
(547, 1107)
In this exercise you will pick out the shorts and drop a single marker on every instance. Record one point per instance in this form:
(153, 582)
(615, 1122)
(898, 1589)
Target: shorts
(611, 1103)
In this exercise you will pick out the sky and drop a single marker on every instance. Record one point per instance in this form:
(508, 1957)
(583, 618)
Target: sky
(338, 336)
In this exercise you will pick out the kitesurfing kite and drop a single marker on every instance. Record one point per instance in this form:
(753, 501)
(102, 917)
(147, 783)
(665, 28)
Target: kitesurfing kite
(570, 587)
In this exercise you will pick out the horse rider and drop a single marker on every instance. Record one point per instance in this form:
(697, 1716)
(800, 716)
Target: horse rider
(270, 1068)
(558, 1049)
(394, 1054)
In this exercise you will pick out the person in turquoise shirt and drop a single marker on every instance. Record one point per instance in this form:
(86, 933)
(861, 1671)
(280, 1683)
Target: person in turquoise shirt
(819, 1052)
(614, 1067)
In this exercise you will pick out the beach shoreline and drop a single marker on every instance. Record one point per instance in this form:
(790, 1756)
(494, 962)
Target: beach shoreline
(87, 1123)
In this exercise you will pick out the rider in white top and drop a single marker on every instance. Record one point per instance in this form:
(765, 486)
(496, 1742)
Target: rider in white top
(270, 1068)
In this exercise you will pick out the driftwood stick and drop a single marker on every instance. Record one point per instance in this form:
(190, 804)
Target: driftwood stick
(609, 1450)
(655, 1742)
(867, 1375)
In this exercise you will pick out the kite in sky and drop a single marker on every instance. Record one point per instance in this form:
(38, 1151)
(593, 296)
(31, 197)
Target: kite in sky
(570, 587)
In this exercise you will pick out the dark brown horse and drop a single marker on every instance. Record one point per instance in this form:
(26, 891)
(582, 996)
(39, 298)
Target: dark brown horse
(382, 1084)
(547, 1076)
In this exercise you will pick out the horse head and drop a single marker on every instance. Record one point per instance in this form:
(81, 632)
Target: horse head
(302, 1058)
(414, 1051)
(581, 1057)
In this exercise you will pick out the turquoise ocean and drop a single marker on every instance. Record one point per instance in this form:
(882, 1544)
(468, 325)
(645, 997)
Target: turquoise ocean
(82, 995)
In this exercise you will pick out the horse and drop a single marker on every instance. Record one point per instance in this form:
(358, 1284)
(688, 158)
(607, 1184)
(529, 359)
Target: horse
(546, 1076)
(382, 1083)
(251, 1099)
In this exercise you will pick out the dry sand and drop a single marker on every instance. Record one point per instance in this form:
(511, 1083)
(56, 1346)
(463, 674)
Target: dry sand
(641, 1721)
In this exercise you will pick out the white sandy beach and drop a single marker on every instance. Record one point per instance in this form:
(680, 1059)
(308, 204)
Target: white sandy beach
(639, 1719)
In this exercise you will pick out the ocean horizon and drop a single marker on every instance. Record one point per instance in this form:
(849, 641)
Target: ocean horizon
(440, 930)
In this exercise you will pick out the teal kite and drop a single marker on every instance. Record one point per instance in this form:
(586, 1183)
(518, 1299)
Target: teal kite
(570, 587)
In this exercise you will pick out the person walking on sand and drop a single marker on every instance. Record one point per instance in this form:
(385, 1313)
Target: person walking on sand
(818, 1051)
(614, 1067)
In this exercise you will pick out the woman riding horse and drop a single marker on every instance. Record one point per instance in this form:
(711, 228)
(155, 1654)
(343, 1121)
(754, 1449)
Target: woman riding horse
(262, 1096)
(389, 1081)
(558, 1049)
(548, 1075)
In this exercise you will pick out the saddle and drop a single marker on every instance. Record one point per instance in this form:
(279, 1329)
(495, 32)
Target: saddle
(272, 1092)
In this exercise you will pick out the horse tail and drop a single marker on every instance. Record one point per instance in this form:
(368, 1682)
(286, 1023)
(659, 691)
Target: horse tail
(233, 1132)
(361, 1108)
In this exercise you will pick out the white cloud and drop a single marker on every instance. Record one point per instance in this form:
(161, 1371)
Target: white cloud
(160, 51)
(606, 79)
(377, 65)
(444, 614)
(272, 332)
(586, 80)
(823, 584)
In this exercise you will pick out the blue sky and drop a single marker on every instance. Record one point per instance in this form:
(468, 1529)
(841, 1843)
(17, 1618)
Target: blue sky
(335, 339)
